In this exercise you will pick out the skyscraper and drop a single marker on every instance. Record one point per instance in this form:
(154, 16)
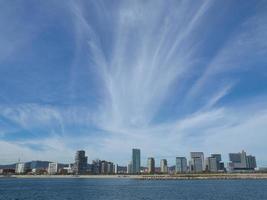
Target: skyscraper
(151, 165)
(80, 165)
(163, 166)
(136, 161)
(181, 165)
(197, 162)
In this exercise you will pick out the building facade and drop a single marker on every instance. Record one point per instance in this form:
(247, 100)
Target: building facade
(181, 165)
(164, 166)
(197, 162)
(130, 168)
(20, 168)
(80, 165)
(52, 168)
(151, 165)
(136, 161)
(251, 162)
(211, 164)
(240, 161)
(214, 163)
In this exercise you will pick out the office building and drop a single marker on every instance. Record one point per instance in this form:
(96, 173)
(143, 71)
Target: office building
(251, 162)
(136, 161)
(80, 165)
(197, 162)
(214, 164)
(219, 164)
(211, 164)
(52, 168)
(240, 161)
(181, 165)
(151, 165)
(163, 166)
(217, 156)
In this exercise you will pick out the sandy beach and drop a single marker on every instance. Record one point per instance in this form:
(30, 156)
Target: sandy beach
(153, 177)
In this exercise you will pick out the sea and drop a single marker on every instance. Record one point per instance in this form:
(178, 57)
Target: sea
(130, 189)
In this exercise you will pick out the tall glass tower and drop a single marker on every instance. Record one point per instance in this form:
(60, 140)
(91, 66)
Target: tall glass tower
(136, 160)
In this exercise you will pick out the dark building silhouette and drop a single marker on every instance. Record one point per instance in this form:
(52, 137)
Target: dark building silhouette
(80, 165)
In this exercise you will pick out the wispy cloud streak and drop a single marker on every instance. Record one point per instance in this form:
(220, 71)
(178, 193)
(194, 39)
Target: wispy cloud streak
(151, 77)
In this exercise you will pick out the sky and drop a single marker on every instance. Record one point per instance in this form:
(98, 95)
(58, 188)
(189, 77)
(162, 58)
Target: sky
(168, 77)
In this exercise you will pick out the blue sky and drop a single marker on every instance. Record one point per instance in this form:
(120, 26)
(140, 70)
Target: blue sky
(168, 77)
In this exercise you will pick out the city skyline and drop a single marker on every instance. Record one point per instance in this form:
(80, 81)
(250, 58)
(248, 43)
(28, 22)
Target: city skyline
(198, 163)
(106, 76)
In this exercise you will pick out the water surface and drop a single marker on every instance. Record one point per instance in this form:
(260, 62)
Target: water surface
(124, 189)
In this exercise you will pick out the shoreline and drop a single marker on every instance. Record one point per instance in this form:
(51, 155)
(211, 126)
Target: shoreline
(232, 176)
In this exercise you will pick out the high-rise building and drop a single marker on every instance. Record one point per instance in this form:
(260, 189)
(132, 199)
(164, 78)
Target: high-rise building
(181, 165)
(136, 161)
(240, 161)
(197, 162)
(20, 168)
(80, 165)
(116, 169)
(130, 168)
(52, 168)
(96, 166)
(251, 162)
(104, 167)
(163, 166)
(110, 168)
(151, 165)
(211, 164)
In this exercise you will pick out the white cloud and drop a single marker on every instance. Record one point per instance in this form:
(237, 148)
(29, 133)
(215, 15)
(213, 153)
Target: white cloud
(153, 53)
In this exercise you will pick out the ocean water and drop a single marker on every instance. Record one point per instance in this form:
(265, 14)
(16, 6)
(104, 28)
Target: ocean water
(124, 189)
